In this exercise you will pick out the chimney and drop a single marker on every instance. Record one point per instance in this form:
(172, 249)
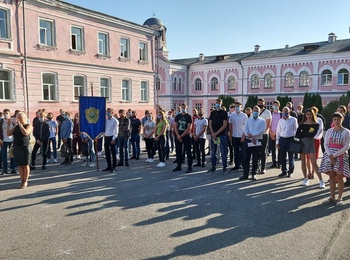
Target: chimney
(201, 57)
(287, 46)
(257, 47)
(331, 38)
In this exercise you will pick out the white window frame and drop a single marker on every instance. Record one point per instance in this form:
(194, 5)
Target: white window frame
(198, 84)
(50, 87)
(198, 106)
(105, 90)
(255, 81)
(104, 44)
(81, 41)
(304, 79)
(125, 48)
(6, 21)
(231, 83)
(52, 31)
(144, 91)
(81, 89)
(10, 82)
(214, 83)
(289, 80)
(342, 76)
(268, 80)
(126, 90)
(326, 78)
(143, 51)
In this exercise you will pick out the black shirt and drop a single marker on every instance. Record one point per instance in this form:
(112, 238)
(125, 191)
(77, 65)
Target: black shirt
(217, 118)
(182, 122)
(20, 139)
(135, 124)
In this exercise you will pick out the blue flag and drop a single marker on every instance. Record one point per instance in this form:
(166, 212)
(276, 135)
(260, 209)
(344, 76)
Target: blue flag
(92, 111)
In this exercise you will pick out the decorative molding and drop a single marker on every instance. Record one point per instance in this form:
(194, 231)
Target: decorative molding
(46, 47)
(76, 52)
(122, 59)
(103, 57)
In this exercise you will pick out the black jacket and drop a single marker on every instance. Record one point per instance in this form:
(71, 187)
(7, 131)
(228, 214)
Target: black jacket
(41, 131)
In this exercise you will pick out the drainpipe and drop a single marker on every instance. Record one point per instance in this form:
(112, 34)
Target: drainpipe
(25, 60)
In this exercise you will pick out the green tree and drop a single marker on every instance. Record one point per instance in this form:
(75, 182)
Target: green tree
(328, 111)
(307, 102)
(251, 101)
(317, 99)
(283, 101)
(226, 101)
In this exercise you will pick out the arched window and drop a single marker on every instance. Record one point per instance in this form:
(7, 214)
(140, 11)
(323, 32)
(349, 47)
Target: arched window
(214, 84)
(268, 80)
(289, 80)
(326, 78)
(174, 83)
(198, 84)
(255, 81)
(304, 79)
(231, 82)
(343, 77)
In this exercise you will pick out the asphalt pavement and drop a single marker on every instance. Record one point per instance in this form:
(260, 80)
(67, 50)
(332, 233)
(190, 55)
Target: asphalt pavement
(146, 212)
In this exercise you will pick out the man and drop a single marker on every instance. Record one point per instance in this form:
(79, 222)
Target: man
(123, 138)
(217, 126)
(194, 117)
(300, 113)
(67, 136)
(169, 145)
(6, 142)
(135, 135)
(59, 119)
(276, 116)
(237, 122)
(182, 128)
(199, 137)
(291, 109)
(266, 115)
(41, 132)
(253, 133)
(286, 130)
(110, 136)
(52, 140)
(229, 140)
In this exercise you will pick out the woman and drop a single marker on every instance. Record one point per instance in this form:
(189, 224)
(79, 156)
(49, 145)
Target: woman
(76, 137)
(149, 128)
(306, 131)
(21, 146)
(161, 126)
(335, 161)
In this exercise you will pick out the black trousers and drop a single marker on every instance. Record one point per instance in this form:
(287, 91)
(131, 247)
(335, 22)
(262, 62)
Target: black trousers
(43, 152)
(199, 146)
(185, 145)
(248, 153)
(110, 151)
(262, 156)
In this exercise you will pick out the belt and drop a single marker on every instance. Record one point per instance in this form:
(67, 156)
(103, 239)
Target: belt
(287, 137)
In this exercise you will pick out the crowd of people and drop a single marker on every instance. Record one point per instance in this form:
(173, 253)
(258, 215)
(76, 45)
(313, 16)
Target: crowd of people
(234, 137)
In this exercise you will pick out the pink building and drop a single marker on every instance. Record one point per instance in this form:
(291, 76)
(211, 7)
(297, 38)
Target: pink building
(51, 52)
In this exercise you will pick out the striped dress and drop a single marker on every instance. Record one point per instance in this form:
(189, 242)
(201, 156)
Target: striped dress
(336, 143)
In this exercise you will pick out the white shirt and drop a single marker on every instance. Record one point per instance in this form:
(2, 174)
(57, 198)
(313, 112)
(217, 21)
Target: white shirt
(266, 114)
(112, 126)
(237, 122)
(200, 124)
(286, 128)
(319, 133)
(255, 127)
(4, 131)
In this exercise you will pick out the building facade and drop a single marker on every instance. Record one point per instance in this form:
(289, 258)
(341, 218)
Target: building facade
(52, 52)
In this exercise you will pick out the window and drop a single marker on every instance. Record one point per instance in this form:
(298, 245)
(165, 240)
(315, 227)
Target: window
(49, 86)
(4, 24)
(255, 81)
(5, 85)
(212, 105)
(124, 48)
(198, 84)
(289, 80)
(144, 91)
(326, 78)
(47, 33)
(126, 90)
(180, 86)
(231, 82)
(103, 43)
(214, 84)
(105, 88)
(268, 80)
(174, 83)
(268, 105)
(157, 84)
(304, 79)
(198, 106)
(343, 77)
(143, 51)
(77, 38)
(79, 87)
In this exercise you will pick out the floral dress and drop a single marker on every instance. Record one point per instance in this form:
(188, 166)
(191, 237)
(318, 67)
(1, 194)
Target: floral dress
(336, 143)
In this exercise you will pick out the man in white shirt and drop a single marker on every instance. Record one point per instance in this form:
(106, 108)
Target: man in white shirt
(110, 136)
(266, 115)
(199, 137)
(286, 130)
(253, 134)
(5, 142)
(237, 122)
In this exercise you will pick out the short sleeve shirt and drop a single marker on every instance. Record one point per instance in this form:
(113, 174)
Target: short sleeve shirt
(182, 122)
(266, 114)
(217, 118)
(200, 124)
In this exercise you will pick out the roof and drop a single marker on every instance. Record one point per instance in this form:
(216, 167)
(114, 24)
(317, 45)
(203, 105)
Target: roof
(300, 49)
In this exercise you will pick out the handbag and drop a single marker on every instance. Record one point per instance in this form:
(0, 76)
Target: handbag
(296, 146)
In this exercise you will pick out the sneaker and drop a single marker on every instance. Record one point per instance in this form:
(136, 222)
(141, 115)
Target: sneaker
(189, 170)
(99, 153)
(147, 160)
(329, 201)
(14, 171)
(55, 160)
(177, 169)
(224, 171)
(339, 203)
(305, 182)
(92, 164)
(322, 185)
(84, 164)
(151, 160)
(161, 164)
(79, 156)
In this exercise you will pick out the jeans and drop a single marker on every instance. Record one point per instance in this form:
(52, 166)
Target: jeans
(135, 143)
(4, 149)
(223, 149)
(161, 148)
(54, 148)
(123, 145)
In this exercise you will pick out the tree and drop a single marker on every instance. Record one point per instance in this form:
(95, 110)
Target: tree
(328, 111)
(283, 101)
(226, 101)
(251, 102)
(307, 102)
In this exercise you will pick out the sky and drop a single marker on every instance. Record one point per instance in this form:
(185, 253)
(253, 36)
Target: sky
(233, 26)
